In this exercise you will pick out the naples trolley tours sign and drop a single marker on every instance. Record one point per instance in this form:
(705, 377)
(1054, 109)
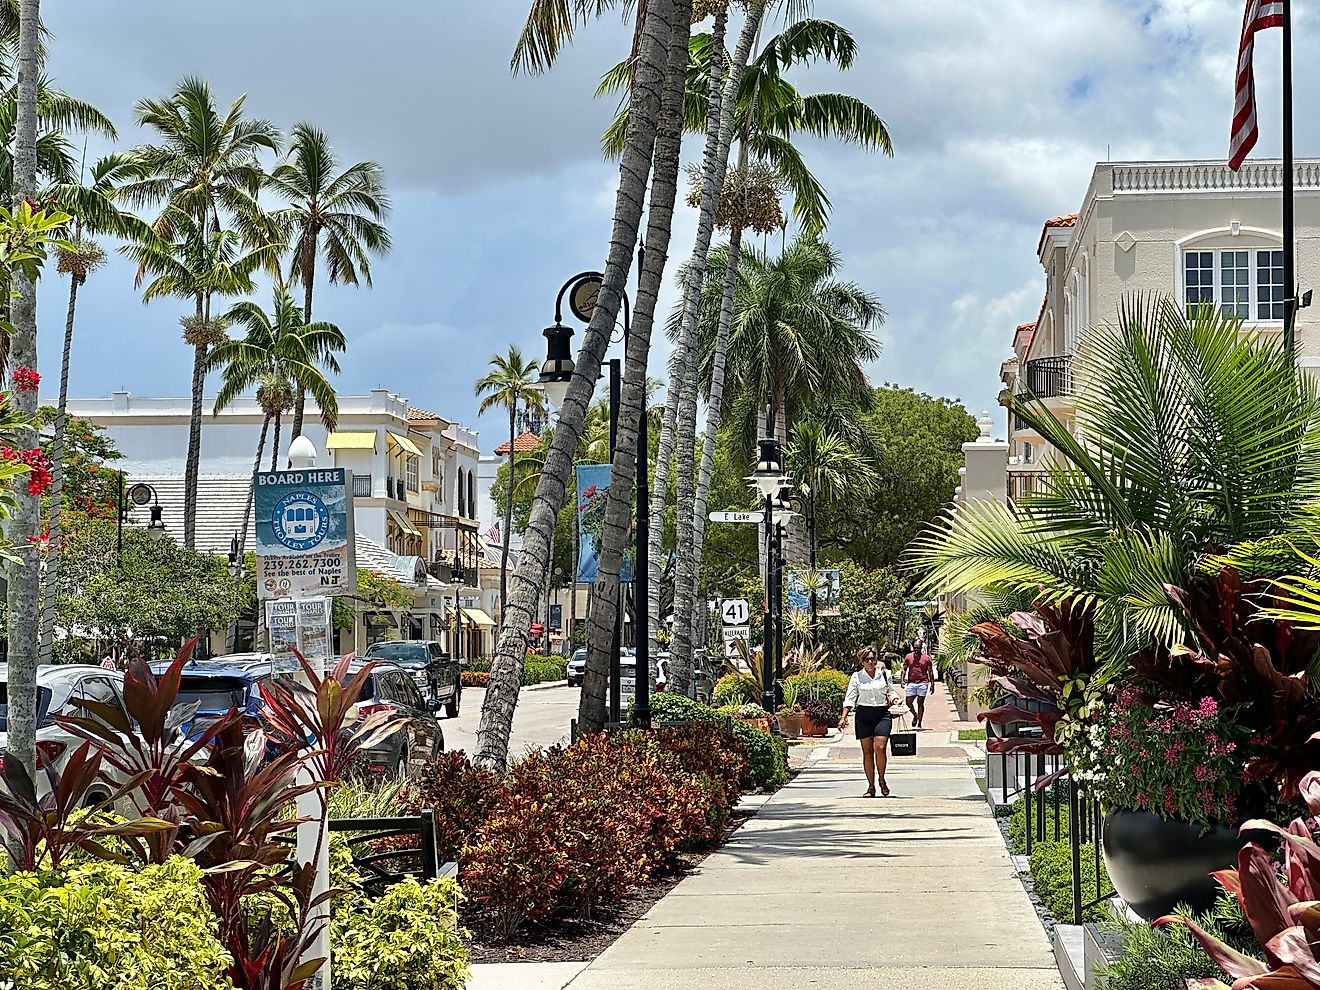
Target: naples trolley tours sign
(304, 533)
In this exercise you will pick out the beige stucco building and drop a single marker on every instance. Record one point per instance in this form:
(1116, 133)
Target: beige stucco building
(1194, 230)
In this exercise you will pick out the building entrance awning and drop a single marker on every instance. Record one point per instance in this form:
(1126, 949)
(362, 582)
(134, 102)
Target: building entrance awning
(403, 443)
(402, 522)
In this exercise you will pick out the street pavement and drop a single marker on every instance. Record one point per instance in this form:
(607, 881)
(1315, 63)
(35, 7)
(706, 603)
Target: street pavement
(824, 888)
(541, 718)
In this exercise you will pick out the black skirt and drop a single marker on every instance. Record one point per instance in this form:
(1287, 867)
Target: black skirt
(872, 720)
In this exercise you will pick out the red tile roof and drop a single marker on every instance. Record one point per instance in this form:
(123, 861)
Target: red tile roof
(1067, 221)
(521, 444)
(415, 413)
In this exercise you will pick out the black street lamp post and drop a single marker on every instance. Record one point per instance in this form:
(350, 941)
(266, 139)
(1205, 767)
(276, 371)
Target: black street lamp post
(139, 494)
(766, 479)
(582, 291)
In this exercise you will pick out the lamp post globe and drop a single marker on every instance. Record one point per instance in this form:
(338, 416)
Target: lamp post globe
(557, 371)
(767, 476)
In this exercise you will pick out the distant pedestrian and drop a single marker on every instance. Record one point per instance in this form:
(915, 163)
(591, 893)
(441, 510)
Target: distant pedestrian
(871, 692)
(919, 678)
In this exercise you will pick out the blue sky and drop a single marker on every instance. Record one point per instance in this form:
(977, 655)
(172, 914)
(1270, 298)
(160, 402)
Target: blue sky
(998, 113)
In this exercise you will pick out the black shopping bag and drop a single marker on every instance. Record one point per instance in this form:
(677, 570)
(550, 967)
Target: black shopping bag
(903, 744)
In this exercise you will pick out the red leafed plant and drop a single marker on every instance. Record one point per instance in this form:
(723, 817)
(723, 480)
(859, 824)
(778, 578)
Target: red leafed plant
(144, 741)
(46, 829)
(1283, 909)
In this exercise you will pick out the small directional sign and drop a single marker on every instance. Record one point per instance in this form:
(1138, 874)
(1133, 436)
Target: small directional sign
(734, 612)
(731, 635)
(735, 517)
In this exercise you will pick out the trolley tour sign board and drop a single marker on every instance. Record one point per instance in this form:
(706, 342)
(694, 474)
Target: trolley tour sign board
(304, 527)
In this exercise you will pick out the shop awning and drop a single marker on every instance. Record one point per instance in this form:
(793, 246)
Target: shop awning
(404, 444)
(351, 440)
(478, 617)
(402, 522)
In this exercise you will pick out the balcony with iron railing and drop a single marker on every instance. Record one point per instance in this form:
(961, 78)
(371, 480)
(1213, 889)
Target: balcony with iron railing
(1049, 377)
(1021, 483)
(362, 486)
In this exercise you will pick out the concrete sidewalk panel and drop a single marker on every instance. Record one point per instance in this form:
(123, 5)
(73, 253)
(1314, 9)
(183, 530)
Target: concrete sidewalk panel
(899, 977)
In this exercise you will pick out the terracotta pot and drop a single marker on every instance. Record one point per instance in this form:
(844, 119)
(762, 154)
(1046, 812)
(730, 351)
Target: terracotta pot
(1156, 864)
(761, 723)
(790, 725)
(813, 729)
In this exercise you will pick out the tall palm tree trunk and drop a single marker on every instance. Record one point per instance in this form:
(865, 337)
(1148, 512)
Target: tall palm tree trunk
(308, 277)
(256, 466)
(50, 583)
(632, 400)
(634, 169)
(275, 447)
(508, 513)
(24, 574)
(715, 408)
(719, 133)
(192, 465)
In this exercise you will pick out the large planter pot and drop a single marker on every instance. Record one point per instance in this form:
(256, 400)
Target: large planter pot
(813, 729)
(790, 725)
(1157, 864)
(761, 723)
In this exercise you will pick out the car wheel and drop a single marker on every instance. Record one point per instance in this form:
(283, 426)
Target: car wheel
(454, 704)
(401, 766)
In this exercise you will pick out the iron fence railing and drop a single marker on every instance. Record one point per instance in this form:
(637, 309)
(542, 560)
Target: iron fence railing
(1021, 483)
(362, 486)
(1049, 377)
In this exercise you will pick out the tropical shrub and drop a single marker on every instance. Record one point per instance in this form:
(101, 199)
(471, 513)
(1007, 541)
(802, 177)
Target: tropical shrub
(767, 756)
(733, 689)
(409, 939)
(103, 926)
(829, 686)
(539, 670)
(819, 712)
(460, 795)
(474, 678)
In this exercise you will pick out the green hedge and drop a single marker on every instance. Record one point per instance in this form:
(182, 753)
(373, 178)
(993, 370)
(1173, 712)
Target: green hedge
(734, 689)
(768, 754)
(1051, 871)
(537, 668)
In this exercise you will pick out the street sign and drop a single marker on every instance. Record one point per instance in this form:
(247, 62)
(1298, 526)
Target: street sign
(735, 517)
(735, 612)
(304, 524)
(731, 635)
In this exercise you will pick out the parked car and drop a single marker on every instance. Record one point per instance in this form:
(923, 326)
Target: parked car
(433, 670)
(61, 689)
(576, 667)
(390, 687)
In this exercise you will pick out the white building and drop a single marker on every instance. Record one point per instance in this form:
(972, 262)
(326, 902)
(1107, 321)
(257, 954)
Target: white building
(414, 486)
(1193, 230)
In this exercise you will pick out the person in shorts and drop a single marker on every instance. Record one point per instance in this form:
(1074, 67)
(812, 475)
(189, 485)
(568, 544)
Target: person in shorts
(870, 693)
(919, 676)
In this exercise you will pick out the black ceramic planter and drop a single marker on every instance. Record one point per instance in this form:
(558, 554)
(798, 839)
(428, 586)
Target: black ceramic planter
(1156, 864)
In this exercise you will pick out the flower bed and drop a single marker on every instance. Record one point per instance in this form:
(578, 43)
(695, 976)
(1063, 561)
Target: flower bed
(568, 830)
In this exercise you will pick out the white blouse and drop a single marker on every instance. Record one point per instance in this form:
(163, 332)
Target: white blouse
(865, 691)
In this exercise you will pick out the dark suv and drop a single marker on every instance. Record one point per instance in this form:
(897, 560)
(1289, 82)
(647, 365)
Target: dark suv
(433, 670)
(419, 741)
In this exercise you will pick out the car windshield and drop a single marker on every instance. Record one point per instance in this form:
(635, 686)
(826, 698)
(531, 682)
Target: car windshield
(216, 694)
(43, 706)
(405, 652)
(580, 655)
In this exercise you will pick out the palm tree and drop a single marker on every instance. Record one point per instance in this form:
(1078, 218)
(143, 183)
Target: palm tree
(511, 383)
(206, 166)
(279, 355)
(657, 29)
(24, 579)
(338, 218)
(1193, 437)
(95, 208)
(199, 264)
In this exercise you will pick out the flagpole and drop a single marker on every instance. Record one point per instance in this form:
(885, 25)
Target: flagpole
(1289, 229)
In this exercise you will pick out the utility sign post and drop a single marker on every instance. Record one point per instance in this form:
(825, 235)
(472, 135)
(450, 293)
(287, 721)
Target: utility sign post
(735, 517)
(304, 533)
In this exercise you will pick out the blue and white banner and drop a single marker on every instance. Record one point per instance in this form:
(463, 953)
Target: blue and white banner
(593, 490)
(304, 529)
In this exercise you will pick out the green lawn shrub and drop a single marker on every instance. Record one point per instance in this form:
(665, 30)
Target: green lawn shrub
(734, 689)
(539, 669)
(409, 939)
(1166, 958)
(104, 926)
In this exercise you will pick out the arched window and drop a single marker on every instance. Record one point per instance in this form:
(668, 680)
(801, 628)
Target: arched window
(1238, 270)
(462, 495)
(472, 496)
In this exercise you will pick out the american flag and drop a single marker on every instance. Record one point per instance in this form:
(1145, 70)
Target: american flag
(493, 534)
(1260, 14)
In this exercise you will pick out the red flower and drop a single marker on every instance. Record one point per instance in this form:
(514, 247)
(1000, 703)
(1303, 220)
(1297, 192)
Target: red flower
(26, 379)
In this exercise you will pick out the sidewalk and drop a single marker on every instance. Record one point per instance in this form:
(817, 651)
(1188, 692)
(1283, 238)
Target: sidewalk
(826, 889)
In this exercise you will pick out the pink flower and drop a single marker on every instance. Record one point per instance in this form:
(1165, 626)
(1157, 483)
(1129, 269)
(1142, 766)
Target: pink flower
(1208, 706)
(1203, 773)
(26, 379)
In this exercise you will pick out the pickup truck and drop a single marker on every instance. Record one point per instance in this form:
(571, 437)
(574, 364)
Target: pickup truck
(432, 669)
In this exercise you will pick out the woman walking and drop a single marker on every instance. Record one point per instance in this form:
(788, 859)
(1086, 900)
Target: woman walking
(870, 692)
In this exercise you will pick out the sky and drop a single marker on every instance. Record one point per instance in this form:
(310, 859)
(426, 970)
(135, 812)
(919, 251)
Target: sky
(998, 113)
